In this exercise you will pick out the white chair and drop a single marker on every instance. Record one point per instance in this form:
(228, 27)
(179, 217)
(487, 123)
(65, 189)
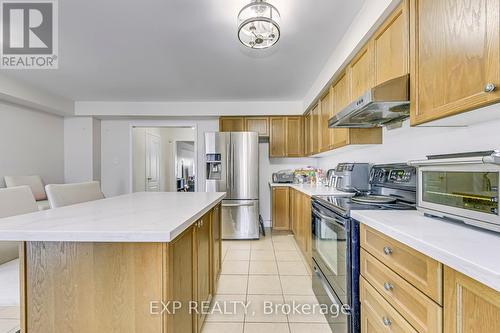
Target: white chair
(14, 201)
(61, 195)
(35, 183)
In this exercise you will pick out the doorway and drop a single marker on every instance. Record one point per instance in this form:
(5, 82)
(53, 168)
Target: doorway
(163, 159)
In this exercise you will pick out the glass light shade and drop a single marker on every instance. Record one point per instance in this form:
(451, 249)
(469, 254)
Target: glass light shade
(259, 25)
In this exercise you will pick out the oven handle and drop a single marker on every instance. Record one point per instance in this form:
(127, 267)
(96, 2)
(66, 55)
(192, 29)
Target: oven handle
(326, 287)
(327, 218)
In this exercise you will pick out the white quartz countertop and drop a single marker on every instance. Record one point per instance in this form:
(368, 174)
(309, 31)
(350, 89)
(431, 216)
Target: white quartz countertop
(468, 250)
(137, 217)
(313, 189)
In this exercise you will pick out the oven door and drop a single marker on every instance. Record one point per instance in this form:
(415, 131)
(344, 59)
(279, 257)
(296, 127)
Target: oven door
(330, 248)
(465, 192)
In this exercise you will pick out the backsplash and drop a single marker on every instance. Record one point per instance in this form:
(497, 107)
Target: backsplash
(410, 143)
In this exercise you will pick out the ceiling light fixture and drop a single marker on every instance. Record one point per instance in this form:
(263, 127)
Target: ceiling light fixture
(258, 25)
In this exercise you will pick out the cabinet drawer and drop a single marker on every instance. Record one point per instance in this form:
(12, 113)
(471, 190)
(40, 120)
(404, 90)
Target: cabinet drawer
(421, 271)
(378, 316)
(418, 309)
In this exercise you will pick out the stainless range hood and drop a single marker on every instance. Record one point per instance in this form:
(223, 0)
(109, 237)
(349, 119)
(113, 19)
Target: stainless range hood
(386, 104)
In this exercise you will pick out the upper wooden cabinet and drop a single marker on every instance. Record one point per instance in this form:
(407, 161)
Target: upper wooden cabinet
(294, 136)
(286, 136)
(277, 137)
(455, 52)
(391, 46)
(232, 124)
(307, 134)
(315, 137)
(257, 124)
(340, 99)
(360, 72)
(326, 112)
(469, 306)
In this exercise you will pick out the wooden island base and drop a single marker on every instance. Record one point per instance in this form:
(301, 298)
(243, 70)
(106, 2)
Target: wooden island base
(110, 287)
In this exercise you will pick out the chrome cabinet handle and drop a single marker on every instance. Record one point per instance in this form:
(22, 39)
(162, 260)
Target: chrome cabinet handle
(386, 321)
(489, 87)
(387, 250)
(388, 286)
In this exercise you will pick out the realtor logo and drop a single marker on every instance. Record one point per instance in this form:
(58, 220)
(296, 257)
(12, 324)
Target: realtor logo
(29, 34)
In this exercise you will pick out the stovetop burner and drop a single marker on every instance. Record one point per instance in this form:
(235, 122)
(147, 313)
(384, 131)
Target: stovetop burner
(344, 205)
(375, 199)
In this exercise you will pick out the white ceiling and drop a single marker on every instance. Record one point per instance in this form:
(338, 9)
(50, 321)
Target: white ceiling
(182, 50)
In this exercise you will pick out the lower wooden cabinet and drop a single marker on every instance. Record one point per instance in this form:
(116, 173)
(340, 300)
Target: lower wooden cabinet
(469, 306)
(300, 221)
(392, 299)
(216, 225)
(203, 262)
(180, 279)
(377, 315)
(193, 266)
(280, 208)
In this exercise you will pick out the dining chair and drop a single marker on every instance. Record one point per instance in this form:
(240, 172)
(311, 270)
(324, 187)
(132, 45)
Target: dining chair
(61, 195)
(14, 201)
(36, 185)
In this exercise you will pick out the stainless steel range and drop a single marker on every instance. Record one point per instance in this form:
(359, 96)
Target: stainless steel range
(335, 238)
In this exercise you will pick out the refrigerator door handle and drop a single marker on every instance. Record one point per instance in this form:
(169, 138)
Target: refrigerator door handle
(232, 166)
(228, 161)
(238, 205)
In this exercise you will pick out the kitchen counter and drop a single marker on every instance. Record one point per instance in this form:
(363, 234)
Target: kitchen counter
(137, 217)
(313, 189)
(468, 250)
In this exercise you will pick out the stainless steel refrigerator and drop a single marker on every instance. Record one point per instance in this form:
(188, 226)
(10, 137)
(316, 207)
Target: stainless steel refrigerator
(232, 166)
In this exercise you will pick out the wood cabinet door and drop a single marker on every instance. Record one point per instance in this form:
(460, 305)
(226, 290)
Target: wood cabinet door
(280, 208)
(391, 45)
(454, 47)
(231, 124)
(257, 124)
(307, 134)
(216, 246)
(293, 194)
(203, 263)
(277, 138)
(294, 136)
(360, 72)
(377, 315)
(180, 281)
(326, 112)
(469, 306)
(306, 223)
(340, 99)
(315, 134)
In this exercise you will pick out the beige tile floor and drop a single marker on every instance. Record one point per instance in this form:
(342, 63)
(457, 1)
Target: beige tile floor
(271, 269)
(268, 270)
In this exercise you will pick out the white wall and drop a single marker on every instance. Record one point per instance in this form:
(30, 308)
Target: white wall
(31, 142)
(409, 143)
(266, 168)
(82, 149)
(116, 159)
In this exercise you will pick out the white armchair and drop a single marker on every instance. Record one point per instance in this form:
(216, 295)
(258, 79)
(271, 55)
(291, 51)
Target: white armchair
(69, 194)
(36, 185)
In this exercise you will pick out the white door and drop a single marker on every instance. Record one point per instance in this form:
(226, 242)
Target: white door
(153, 145)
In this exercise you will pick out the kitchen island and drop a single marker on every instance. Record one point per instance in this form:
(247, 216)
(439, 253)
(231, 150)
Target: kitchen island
(110, 265)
